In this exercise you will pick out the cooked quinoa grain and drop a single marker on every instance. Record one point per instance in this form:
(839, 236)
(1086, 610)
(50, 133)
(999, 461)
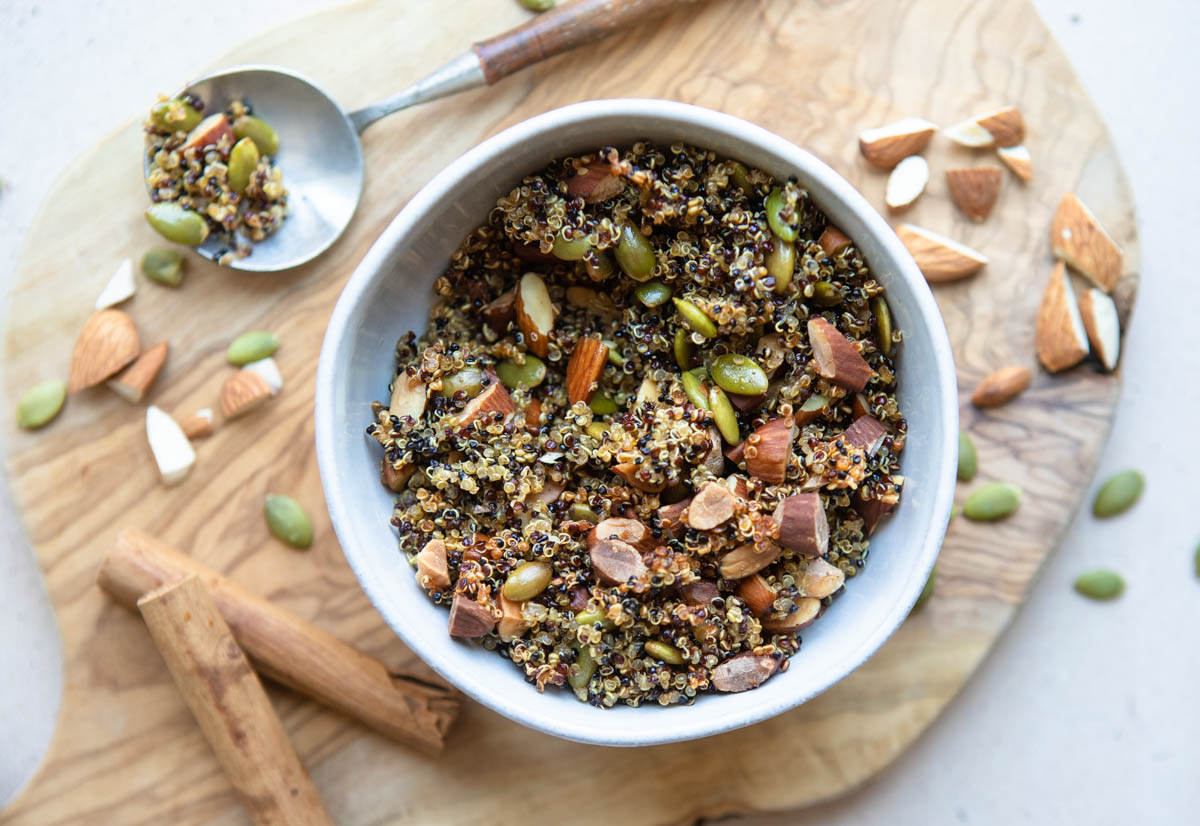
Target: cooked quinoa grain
(627, 553)
(240, 195)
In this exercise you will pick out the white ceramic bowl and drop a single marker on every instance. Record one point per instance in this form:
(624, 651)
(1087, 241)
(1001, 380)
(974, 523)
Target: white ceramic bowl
(390, 293)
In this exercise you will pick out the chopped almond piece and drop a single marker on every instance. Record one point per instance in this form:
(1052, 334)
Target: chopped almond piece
(837, 357)
(616, 562)
(647, 392)
(535, 313)
(671, 516)
(594, 301)
(493, 399)
(713, 505)
(1060, 336)
(738, 485)
(970, 134)
(469, 619)
(533, 415)
(757, 594)
(768, 450)
(1002, 385)
(744, 672)
(700, 592)
(133, 383)
(512, 620)
(821, 579)
(746, 404)
(393, 478)
(1103, 326)
(737, 453)
(585, 367)
(801, 524)
(1006, 126)
(975, 189)
(859, 406)
(432, 570)
(595, 184)
(243, 392)
(886, 146)
(745, 560)
(208, 132)
(630, 473)
(871, 511)
(1079, 240)
(807, 611)
(630, 531)
(199, 425)
(500, 312)
(714, 461)
(1018, 159)
(409, 395)
(907, 182)
(939, 258)
(833, 240)
(867, 432)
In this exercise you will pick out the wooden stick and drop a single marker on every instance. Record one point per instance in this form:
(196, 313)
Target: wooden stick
(290, 650)
(231, 706)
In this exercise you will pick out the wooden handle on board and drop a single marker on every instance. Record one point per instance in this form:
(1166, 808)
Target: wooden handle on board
(289, 650)
(562, 29)
(231, 706)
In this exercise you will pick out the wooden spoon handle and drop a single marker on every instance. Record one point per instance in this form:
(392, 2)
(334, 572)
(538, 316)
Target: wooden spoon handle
(562, 29)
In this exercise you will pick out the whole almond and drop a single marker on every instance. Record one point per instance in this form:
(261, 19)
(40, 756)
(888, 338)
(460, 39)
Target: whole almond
(108, 341)
(1001, 386)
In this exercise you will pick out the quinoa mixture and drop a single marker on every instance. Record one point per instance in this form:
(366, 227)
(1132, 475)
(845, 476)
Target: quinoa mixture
(650, 427)
(219, 168)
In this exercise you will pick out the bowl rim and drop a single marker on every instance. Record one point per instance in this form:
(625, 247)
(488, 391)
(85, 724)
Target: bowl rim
(374, 266)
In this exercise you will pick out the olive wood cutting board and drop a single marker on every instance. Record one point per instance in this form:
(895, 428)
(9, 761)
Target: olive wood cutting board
(126, 748)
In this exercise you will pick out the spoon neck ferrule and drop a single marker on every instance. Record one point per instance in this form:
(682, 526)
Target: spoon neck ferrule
(462, 73)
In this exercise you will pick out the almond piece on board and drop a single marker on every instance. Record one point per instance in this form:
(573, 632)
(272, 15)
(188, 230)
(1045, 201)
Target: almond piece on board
(907, 182)
(807, 611)
(108, 341)
(133, 383)
(886, 146)
(833, 240)
(1079, 240)
(199, 425)
(535, 313)
(1002, 385)
(469, 619)
(1018, 159)
(975, 189)
(867, 432)
(616, 562)
(119, 288)
(585, 367)
(757, 594)
(801, 525)
(493, 399)
(243, 392)
(595, 183)
(1103, 327)
(432, 570)
(630, 531)
(970, 134)
(745, 560)
(713, 505)
(837, 357)
(768, 450)
(172, 451)
(821, 579)
(939, 258)
(1060, 336)
(1006, 126)
(744, 672)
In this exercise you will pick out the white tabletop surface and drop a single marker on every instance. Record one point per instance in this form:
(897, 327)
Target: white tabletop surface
(1084, 713)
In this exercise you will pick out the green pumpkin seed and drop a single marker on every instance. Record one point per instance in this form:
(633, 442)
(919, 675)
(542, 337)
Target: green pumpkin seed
(259, 131)
(580, 672)
(527, 581)
(614, 356)
(635, 253)
(529, 374)
(599, 265)
(1100, 584)
(739, 176)
(469, 380)
(596, 430)
(693, 386)
(596, 617)
(738, 374)
(175, 115)
(1118, 493)
(175, 223)
(580, 512)
(602, 404)
(572, 250)
(781, 263)
(653, 293)
(695, 318)
(827, 294)
(993, 501)
(163, 267)
(968, 459)
(41, 403)
(662, 651)
(883, 324)
(685, 350)
(251, 346)
(538, 5)
(243, 160)
(926, 592)
(287, 520)
(786, 231)
(724, 416)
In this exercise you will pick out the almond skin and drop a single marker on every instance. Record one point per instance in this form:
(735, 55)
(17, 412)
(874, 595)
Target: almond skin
(745, 560)
(584, 369)
(630, 531)
(500, 312)
(108, 341)
(535, 314)
(133, 383)
(1006, 126)
(886, 146)
(939, 258)
(836, 356)
(757, 594)
(975, 189)
(199, 425)
(744, 672)
(208, 132)
(616, 562)
(1002, 386)
(629, 472)
(493, 399)
(1078, 239)
(1059, 335)
(243, 392)
(867, 432)
(1017, 159)
(806, 613)
(768, 450)
(712, 506)
(801, 525)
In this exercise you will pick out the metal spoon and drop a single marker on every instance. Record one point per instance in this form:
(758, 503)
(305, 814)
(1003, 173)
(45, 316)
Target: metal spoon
(320, 154)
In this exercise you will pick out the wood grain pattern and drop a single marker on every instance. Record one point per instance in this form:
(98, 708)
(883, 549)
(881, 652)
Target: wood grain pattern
(816, 72)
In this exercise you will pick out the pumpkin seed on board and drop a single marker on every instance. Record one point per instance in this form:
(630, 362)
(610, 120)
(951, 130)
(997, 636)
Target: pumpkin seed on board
(253, 346)
(1196, 561)
(41, 403)
(287, 520)
(968, 459)
(1118, 493)
(993, 501)
(1100, 584)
